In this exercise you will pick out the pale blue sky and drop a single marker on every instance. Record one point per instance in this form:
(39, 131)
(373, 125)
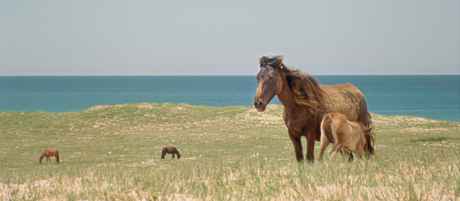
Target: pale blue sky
(148, 37)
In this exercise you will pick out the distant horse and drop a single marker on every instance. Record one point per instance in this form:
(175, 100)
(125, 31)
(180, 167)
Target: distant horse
(170, 150)
(348, 137)
(50, 152)
(305, 102)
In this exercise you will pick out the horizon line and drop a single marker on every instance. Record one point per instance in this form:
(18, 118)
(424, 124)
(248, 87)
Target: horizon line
(216, 75)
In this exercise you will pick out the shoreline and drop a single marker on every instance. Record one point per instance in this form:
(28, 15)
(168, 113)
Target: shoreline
(151, 105)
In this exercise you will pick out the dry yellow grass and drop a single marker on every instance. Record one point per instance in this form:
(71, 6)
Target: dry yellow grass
(230, 153)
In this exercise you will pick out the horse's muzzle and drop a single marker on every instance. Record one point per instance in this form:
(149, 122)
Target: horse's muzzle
(259, 105)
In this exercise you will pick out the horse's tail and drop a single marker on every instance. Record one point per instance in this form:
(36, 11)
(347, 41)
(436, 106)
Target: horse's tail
(370, 140)
(178, 154)
(57, 156)
(366, 119)
(364, 116)
(326, 127)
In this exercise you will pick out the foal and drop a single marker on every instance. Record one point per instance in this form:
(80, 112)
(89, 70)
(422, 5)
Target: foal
(170, 150)
(347, 136)
(50, 152)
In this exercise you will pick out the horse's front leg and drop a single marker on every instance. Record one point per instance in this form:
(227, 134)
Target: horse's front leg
(311, 137)
(297, 145)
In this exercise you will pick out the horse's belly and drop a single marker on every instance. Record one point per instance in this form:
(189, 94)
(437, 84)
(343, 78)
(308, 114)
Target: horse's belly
(298, 125)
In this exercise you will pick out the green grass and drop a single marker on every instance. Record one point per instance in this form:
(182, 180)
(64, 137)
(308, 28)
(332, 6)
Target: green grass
(229, 153)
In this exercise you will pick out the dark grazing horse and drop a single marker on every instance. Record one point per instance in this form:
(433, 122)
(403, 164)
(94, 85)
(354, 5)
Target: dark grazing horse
(48, 153)
(305, 102)
(170, 150)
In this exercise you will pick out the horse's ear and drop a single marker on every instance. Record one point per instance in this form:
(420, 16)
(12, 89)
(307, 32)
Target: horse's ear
(278, 61)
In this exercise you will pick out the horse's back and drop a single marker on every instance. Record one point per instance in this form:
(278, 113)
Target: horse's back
(348, 100)
(345, 90)
(170, 149)
(341, 86)
(50, 151)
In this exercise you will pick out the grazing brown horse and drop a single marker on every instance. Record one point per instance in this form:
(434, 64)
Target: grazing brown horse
(305, 102)
(170, 150)
(49, 152)
(347, 136)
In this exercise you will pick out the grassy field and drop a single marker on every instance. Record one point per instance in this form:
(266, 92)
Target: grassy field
(229, 153)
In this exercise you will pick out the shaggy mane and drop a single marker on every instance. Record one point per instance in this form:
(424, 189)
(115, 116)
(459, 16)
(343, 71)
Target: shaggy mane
(306, 89)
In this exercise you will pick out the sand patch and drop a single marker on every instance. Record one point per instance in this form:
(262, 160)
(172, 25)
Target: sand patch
(424, 130)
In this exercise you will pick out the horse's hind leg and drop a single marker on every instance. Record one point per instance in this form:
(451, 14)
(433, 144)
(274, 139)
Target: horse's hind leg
(57, 157)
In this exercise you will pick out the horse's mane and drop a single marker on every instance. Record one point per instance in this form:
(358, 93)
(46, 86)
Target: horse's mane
(305, 88)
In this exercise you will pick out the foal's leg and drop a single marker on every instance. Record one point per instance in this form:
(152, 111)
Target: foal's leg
(334, 153)
(297, 146)
(335, 150)
(350, 156)
(323, 146)
(360, 152)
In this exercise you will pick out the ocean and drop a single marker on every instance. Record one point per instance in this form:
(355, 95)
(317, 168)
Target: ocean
(432, 96)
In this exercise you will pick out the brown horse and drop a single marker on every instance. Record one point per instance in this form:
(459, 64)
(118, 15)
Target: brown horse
(48, 153)
(347, 136)
(170, 150)
(305, 102)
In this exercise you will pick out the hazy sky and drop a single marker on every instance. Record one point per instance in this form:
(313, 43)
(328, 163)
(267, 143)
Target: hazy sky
(95, 37)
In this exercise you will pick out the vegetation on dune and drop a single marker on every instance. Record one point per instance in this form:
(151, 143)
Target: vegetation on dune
(228, 153)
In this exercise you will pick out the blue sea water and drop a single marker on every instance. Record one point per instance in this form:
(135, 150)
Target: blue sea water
(433, 96)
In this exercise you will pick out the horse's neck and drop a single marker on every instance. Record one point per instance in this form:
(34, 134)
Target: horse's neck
(286, 96)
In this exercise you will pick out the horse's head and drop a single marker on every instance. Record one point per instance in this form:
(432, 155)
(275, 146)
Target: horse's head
(269, 81)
